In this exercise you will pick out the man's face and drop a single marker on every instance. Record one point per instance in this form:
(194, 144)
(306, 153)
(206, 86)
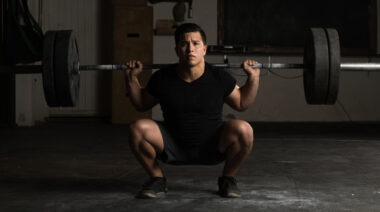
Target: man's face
(190, 49)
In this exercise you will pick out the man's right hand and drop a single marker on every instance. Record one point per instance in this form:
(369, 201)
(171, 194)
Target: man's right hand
(135, 67)
(139, 97)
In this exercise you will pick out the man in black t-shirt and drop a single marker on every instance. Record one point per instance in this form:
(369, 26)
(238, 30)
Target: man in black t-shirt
(191, 94)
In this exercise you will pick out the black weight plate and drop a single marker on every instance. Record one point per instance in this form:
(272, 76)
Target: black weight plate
(66, 78)
(316, 72)
(334, 54)
(75, 77)
(48, 69)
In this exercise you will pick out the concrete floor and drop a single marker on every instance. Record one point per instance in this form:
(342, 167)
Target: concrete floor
(85, 165)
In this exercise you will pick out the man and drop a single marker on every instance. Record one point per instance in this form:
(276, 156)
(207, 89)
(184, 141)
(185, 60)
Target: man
(191, 94)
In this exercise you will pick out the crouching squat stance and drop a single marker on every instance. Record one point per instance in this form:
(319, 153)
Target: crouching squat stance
(191, 94)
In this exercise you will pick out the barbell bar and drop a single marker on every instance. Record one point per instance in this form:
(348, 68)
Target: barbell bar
(215, 65)
(36, 69)
(371, 67)
(321, 67)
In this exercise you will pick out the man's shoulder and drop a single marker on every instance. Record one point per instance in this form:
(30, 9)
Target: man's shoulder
(170, 68)
(164, 70)
(217, 72)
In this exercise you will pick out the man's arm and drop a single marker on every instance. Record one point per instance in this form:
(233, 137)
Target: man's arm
(241, 98)
(139, 97)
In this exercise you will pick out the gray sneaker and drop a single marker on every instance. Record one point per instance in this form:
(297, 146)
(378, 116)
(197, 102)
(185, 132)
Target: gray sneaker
(228, 187)
(154, 187)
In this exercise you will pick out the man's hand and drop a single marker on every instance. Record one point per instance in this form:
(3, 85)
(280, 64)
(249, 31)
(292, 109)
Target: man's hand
(134, 69)
(241, 98)
(251, 72)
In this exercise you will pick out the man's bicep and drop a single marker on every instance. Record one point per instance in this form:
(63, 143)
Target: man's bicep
(233, 99)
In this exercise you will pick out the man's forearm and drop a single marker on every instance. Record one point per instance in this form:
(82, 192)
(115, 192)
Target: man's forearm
(248, 92)
(134, 91)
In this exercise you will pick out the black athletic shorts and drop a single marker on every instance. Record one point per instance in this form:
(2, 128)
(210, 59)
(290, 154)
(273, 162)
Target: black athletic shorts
(203, 154)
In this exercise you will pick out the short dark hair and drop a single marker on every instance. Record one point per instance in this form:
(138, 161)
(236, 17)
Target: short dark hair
(189, 27)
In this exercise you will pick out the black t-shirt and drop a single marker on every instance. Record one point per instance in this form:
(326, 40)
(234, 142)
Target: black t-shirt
(192, 111)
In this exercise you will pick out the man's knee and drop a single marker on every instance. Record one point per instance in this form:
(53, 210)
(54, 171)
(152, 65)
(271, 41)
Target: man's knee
(244, 132)
(138, 129)
(145, 130)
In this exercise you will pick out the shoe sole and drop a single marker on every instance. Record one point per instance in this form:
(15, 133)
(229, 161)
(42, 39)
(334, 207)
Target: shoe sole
(151, 195)
(231, 195)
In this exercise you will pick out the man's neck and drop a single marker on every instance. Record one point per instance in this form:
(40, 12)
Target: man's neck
(190, 73)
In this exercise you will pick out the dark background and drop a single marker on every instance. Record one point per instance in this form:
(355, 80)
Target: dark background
(278, 24)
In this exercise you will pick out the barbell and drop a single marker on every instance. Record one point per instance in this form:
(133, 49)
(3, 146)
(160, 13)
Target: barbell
(321, 67)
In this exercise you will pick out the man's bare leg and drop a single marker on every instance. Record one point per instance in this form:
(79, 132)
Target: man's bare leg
(236, 142)
(145, 141)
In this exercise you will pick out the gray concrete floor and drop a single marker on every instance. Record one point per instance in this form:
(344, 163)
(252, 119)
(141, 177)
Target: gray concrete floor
(85, 165)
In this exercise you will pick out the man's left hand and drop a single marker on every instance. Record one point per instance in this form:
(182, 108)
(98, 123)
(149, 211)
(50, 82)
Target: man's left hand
(251, 72)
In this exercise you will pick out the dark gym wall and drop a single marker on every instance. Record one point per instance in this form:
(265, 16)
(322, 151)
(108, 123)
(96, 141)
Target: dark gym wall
(278, 24)
(7, 81)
